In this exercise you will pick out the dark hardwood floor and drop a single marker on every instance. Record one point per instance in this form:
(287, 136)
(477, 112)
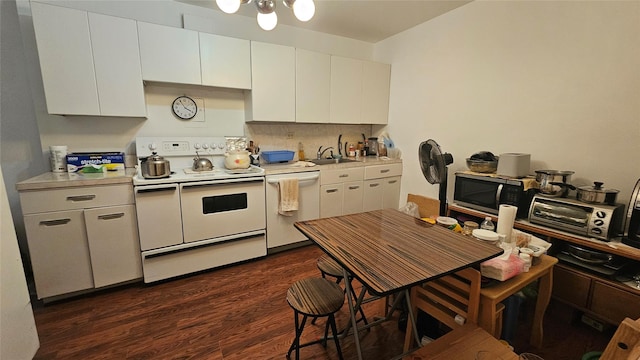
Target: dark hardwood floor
(240, 312)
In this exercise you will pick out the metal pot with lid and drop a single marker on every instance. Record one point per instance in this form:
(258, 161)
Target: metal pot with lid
(201, 164)
(554, 182)
(155, 167)
(596, 194)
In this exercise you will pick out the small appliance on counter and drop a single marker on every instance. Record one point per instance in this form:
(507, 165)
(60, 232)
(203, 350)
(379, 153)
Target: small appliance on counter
(598, 221)
(631, 235)
(514, 165)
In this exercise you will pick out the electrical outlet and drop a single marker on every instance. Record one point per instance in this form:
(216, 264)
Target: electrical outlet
(290, 135)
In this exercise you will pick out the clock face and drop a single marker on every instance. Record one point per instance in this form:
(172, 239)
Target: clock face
(184, 107)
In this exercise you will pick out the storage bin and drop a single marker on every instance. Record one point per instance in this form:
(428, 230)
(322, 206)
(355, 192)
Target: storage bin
(277, 156)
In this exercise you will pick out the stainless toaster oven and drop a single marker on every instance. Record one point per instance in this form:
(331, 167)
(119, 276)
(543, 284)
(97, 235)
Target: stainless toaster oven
(590, 220)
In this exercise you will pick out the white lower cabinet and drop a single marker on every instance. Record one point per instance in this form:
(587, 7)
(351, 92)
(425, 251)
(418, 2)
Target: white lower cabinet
(341, 191)
(81, 238)
(382, 187)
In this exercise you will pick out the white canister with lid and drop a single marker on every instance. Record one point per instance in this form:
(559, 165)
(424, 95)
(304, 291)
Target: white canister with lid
(486, 235)
(58, 158)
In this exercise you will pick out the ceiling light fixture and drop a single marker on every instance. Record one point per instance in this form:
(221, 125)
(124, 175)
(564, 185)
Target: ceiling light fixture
(267, 17)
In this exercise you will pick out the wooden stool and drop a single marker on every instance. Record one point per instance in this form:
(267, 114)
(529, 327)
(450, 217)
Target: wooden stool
(329, 267)
(315, 297)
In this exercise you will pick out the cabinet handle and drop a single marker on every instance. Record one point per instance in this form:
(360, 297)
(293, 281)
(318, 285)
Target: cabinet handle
(332, 190)
(81, 198)
(110, 216)
(392, 181)
(55, 222)
(343, 175)
(383, 171)
(354, 187)
(373, 185)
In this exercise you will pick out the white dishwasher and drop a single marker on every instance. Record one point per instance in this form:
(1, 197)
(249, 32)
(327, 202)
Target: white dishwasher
(280, 229)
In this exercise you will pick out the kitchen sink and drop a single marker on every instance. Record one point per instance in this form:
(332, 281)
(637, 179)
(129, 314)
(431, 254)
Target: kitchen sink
(330, 161)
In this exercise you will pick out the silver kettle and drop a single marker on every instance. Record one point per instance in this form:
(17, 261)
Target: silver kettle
(155, 167)
(201, 164)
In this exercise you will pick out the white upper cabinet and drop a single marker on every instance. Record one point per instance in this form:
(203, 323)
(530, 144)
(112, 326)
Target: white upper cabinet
(225, 61)
(346, 90)
(375, 92)
(116, 57)
(359, 91)
(90, 63)
(273, 89)
(313, 86)
(66, 61)
(169, 54)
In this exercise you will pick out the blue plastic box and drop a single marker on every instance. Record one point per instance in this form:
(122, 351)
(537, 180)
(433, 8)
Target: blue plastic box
(277, 156)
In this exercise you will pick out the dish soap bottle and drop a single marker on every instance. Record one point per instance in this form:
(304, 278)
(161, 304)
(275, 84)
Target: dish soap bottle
(487, 224)
(300, 151)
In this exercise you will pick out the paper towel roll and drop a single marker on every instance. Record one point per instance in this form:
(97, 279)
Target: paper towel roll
(506, 218)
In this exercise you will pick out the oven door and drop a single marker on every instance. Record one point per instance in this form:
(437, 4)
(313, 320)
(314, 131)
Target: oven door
(560, 215)
(216, 208)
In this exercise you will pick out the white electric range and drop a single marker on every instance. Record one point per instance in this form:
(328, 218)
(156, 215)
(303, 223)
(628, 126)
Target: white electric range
(192, 221)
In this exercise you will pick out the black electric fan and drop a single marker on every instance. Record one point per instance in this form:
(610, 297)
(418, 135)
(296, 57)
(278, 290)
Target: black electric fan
(433, 163)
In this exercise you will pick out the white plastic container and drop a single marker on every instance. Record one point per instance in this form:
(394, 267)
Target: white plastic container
(58, 158)
(486, 235)
(514, 165)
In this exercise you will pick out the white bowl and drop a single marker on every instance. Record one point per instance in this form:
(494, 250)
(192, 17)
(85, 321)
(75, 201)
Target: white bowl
(446, 221)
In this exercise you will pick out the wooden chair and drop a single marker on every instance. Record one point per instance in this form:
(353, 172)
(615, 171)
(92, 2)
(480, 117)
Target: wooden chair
(428, 207)
(625, 343)
(314, 297)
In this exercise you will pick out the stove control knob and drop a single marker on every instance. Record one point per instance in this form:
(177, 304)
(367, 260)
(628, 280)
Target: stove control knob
(596, 231)
(220, 146)
(152, 146)
(205, 146)
(196, 146)
(598, 222)
(601, 214)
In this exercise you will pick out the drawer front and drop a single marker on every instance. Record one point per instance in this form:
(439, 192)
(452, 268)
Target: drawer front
(613, 304)
(75, 198)
(336, 176)
(570, 286)
(380, 171)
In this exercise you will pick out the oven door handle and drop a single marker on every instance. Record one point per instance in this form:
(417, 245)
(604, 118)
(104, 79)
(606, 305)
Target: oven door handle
(220, 182)
(306, 178)
(155, 188)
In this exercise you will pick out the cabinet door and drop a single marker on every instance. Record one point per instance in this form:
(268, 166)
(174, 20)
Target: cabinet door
(373, 194)
(331, 199)
(225, 61)
(273, 83)
(614, 304)
(313, 86)
(375, 92)
(353, 197)
(158, 228)
(391, 192)
(116, 57)
(114, 247)
(59, 252)
(169, 54)
(571, 287)
(346, 91)
(66, 61)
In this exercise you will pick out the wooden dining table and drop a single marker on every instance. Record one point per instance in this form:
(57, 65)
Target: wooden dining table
(389, 252)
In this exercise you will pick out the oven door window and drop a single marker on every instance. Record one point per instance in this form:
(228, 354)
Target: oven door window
(223, 203)
(574, 216)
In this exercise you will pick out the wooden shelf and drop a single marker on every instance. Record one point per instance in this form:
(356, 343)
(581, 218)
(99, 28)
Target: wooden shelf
(613, 247)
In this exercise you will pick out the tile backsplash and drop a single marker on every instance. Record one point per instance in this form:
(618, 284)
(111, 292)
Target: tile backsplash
(279, 136)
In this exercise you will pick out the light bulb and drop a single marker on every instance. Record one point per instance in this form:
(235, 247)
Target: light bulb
(267, 21)
(304, 9)
(228, 6)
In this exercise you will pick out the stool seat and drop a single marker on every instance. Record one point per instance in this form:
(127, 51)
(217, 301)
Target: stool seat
(315, 296)
(328, 266)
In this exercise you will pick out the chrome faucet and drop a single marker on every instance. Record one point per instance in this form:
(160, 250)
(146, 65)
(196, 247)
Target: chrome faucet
(321, 152)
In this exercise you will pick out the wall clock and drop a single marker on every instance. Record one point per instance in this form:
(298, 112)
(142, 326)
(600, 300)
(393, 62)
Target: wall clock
(184, 107)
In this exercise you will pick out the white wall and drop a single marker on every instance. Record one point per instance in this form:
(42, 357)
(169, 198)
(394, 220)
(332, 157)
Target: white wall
(557, 79)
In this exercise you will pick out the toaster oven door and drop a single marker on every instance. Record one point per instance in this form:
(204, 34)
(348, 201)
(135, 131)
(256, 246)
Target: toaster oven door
(560, 215)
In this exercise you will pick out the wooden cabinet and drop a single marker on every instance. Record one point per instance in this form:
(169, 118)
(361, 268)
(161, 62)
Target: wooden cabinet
(313, 86)
(90, 63)
(81, 238)
(225, 62)
(169, 54)
(341, 191)
(382, 187)
(359, 91)
(273, 83)
(590, 292)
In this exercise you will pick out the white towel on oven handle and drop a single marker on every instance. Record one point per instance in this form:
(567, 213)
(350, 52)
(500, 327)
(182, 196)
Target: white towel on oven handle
(287, 196)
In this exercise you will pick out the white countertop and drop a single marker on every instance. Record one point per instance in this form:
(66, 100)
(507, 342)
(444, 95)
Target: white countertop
(51, 180)
(274, 169)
